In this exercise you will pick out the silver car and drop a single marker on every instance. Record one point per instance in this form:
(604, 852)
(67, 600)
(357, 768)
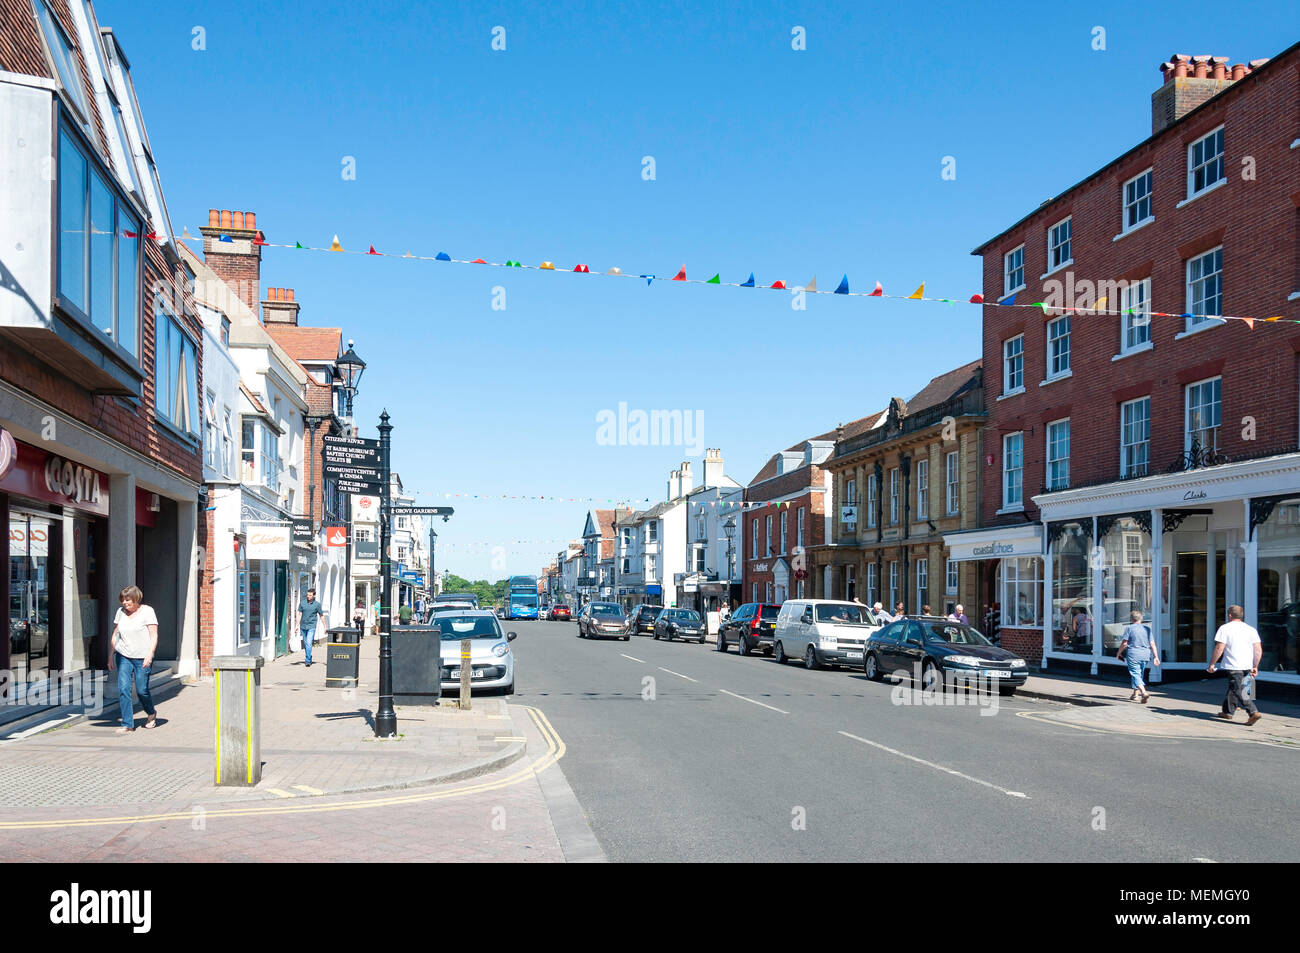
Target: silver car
(492, 664)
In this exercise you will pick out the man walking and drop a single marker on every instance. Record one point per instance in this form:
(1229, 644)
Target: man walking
(309, 610)
(1238, 645)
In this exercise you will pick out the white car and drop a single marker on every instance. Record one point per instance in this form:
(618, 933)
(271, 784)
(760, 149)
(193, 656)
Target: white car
(492, 664)
(823, 632)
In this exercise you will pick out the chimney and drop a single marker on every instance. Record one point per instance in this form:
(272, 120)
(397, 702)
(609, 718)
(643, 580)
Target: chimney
(228, 250)
(687, 481)
(712, 468)
(674, 484)
(279, 307)
(1190, 81)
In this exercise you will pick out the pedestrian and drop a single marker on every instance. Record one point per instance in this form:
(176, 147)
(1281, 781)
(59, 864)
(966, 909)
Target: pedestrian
(899, 611)
(309, 611)
(724, 610)
(374, 617)
(135, 638)
(359, 617)
(404, 614)
(1080, 631)
(1136, 648)
(925, 609)
(958, 614)
(1239, 646)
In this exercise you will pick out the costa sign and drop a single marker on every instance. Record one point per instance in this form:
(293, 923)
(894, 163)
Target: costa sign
(79, 484)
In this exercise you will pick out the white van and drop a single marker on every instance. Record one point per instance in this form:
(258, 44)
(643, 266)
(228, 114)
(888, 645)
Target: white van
(823, 632)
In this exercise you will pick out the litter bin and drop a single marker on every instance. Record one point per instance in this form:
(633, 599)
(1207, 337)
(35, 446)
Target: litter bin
(417, 664)
(238, 754)
(342, 657)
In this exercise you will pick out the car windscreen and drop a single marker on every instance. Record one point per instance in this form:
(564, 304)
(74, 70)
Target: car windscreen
(844, 615)
(650, 613)
(607, 612)
(770, 613)
(688, 616)
(953, 633)
(456, 627)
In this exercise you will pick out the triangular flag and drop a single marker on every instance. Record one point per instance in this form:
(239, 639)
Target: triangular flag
(749, 283)
(715, 280)
(582, 269)
(187, 237)
(442, 256)
(681, 275)
(1011, 302)
(1276, 318)
(1101, 303)
(843, 289)
(812, 285)
(130, 234)
(478, 261)
(918, 293)
(154, 236)
(880, 290)
(976, 299)
(547, 266)
(408, 254)
(334, 245)
(259, 238)
(648, 278)
(372, 251)
(614, 271)
(227, 238)
(778, 284)
(297, 244)
(1250, 323)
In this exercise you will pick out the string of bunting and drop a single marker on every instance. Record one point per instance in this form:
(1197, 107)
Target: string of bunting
(1100, 306)
(488, 497)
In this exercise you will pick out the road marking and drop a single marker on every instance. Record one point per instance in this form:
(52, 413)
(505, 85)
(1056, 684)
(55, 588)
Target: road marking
(641, 660)
(752, 702)
(303, 787)
(556, 749)
(937, 767)
(510, 738)
(1203, 860)
(278, 793)
(678, 674)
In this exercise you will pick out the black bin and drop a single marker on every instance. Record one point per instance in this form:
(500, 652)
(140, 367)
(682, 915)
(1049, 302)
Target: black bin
(343, 657)
(417, 664)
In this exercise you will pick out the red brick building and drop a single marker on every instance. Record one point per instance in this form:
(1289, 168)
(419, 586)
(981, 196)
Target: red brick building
(1134, 461)
(100, 359)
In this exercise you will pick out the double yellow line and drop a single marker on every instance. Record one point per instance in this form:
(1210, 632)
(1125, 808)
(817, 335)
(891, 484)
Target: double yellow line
(555, 750)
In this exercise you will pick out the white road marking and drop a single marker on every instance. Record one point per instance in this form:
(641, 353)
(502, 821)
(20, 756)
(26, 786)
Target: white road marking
(752, 702)
(937, 767)
(678, 674)
(1203, 860)
(641, 660)
(309, 790)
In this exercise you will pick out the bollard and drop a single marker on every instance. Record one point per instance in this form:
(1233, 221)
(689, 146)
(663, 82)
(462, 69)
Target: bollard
(466, 673)
(238, 755)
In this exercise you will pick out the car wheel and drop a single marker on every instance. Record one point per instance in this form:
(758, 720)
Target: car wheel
(929, 676)
(870, 668)
(656, 634)
(722, 642)
(1006, 691)
(509, 689)
(626, 637)
(700, 640)
(781, 657)
(810, 659)
(742, 645)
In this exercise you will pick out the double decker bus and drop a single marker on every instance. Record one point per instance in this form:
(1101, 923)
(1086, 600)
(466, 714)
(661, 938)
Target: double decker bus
(521, 597)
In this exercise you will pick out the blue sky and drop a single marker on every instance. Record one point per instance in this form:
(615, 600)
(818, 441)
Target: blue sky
(781, 162)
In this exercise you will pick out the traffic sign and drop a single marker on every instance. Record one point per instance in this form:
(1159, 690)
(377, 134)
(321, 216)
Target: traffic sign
(399, 510)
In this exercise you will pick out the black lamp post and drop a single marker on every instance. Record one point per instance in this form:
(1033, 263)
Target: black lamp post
(729, 527)
(350, 367)
(385, 717)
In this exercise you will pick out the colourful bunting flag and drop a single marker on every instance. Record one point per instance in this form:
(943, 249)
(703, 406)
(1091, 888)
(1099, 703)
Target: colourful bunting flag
(582, 269)
(227, 238)
(408, 254)
(977, 299)
(843, 289)
(297, 244)
(1011, 302)
(918, 293)
(442, 256)
(614, 271)
(749, 283)
(372, 251)
(258, 239)
(130, 234)
(1250, 323)
(880, 290)
(187, 237)
(812, 285)
(478, 261)
(648, 279)
(334, 245)
(715, 280)
(681, 275)
(778, 284)
(546, 266)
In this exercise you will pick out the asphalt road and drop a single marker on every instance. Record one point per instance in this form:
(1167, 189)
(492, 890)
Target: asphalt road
(725, 758)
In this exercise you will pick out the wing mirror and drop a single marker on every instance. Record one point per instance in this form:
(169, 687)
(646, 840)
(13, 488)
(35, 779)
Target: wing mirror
(511, 636)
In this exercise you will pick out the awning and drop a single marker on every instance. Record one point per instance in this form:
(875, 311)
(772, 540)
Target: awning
(998, 542)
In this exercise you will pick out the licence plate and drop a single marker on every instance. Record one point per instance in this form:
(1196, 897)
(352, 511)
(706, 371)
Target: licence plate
(854, 655)
(474, 673)
(997, 673)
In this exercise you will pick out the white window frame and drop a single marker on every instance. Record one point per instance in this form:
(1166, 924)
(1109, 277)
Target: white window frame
(1187, 413)
(893, 585)
(894, 481)
(1124, 225)
(873, 491)
(799, 523)
(871, 584)
(1068, 243)
(1019, 502)
(1219, 157)
(650, 567)
(785, 526)
(922, 581)
(767, 533)
(952, 476)
(1009, 268)
(753, 541)
(1010, 615)
(1198, 320)
(922, 489)
(1137, 298)
(1007, 373)
(952, 578)
(1052, 430)
(1053, 336)
(1125, 470)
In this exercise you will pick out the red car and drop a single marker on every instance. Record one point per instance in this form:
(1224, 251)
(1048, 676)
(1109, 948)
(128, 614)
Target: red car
(561, 612)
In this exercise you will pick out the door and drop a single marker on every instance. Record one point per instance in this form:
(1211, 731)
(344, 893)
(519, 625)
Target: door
(912, 650)
(30, 541)
(1191, 607)
(281, 609)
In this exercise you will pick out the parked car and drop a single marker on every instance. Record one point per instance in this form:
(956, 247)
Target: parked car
(751, 627)
(601, 620)
(937, 651)
(500, 612)
(560, 611)
(543, 613)
(823, 632)
(679, 624)
(492, 664)
(641, 620)
(442, 608)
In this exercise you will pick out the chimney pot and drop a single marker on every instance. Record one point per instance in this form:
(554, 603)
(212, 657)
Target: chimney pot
(212, 217)
(1239, 71)
(1180, 69)
(1202, 70)
(225, 218)
(289, 293)
(238, 220)
(250, 220)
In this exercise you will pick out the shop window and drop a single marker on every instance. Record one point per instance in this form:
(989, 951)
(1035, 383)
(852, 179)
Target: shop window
(1072, 622)
(1126, 580)
(1278, 606)
(1021, 593)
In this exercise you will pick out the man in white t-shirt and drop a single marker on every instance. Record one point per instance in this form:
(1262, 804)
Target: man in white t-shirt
(1238, 645)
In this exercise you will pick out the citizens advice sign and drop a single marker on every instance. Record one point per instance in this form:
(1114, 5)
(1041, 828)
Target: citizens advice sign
(353, 464)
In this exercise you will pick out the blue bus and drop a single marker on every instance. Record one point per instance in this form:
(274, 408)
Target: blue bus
(521, 597)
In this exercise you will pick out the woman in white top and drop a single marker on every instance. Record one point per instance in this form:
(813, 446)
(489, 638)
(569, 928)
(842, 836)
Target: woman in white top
(135, 637)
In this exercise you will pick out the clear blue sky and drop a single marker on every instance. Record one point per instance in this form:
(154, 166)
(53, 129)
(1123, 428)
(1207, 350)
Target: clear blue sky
(783, 163)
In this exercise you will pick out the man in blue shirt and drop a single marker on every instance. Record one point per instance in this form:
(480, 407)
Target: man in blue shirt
(309, 610)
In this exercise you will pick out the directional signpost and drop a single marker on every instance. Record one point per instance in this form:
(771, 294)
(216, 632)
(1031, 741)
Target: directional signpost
(354, 464)
(400, 510)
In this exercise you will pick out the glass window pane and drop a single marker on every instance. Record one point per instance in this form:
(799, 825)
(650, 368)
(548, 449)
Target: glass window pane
(101, 255)
(72, 223)
(162, 389)
(1072, 623)
(128, 282)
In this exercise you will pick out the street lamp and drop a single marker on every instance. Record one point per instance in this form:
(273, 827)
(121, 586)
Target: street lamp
(729, 527)
(350, 367)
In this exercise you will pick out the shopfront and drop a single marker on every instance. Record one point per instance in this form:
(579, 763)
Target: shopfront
(1180, 549)
(1009, 579)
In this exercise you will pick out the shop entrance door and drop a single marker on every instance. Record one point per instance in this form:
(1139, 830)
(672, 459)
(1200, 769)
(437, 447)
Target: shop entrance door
(30, 540)
(1191, 607)
(281, 610)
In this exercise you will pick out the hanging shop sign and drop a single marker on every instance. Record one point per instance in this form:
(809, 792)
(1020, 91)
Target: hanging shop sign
(336, 536)
(268, 542)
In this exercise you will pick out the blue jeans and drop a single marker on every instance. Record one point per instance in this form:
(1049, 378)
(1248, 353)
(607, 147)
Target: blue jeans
(307, 635)
(129, 670)
(1135, 668)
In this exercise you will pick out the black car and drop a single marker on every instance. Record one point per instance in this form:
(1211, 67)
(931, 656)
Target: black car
(602, 620)
(679, 624)
(938, 651)
(641, 620)
(750, 627)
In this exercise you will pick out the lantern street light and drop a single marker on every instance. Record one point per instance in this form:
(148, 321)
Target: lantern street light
(350, 367)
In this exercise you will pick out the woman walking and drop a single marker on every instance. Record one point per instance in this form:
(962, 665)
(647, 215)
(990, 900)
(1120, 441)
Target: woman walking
(135, 638)
(1137, 649)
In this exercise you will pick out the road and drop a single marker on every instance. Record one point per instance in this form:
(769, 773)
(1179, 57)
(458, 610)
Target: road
(723, 758)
